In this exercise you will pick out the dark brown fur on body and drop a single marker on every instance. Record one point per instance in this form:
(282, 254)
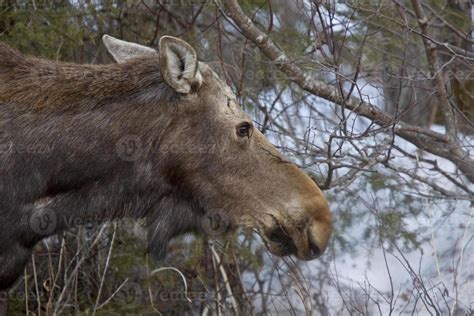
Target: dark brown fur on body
(63, 128)
(68, 122)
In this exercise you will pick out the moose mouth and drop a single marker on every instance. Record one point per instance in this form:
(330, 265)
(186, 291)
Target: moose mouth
(281, 243)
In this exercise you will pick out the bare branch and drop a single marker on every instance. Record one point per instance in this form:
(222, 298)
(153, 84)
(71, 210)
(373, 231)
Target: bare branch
(425, 139)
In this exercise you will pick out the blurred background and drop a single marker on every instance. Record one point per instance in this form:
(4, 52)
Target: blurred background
(403, 208)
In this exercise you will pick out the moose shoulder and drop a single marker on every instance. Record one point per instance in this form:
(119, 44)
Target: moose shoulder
(156, 135)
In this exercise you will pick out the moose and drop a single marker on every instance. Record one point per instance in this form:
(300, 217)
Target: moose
(156, 135)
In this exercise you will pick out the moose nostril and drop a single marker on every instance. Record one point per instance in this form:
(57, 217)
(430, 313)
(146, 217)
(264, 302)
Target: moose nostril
(313, 247)
(280, 237)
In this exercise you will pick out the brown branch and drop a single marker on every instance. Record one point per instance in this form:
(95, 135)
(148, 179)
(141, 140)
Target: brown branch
(425, 139)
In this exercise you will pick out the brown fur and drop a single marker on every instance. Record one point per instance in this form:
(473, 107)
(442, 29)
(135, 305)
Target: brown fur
(41, 84)
(191, 162)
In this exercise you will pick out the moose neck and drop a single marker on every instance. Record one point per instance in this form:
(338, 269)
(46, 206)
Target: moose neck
(81, 143)
(82, 139)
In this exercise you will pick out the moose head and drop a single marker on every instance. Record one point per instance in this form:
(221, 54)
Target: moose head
(215, 156)
(156, 135)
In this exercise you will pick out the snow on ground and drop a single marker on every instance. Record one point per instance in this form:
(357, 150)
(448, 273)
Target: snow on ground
(443, 260)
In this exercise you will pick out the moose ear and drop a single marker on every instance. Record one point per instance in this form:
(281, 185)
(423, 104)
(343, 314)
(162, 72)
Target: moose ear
(122, 51)
(179, 64)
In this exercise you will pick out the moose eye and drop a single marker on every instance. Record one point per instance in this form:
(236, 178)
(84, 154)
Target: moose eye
(244, 130)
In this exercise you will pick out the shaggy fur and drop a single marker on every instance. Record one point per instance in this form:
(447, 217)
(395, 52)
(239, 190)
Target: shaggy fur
(60, 125)
(66, 135)
(44, 84)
